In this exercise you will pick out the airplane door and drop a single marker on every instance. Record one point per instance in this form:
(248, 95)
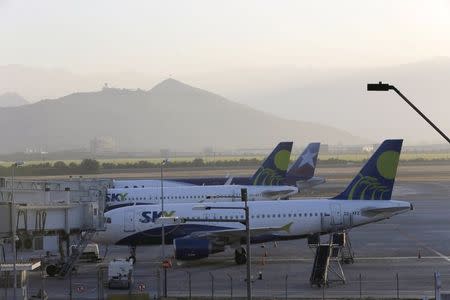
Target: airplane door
(336, 215)
(128, 221)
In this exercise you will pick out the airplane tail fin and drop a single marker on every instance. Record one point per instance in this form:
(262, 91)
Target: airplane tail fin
(273, 169)
(376, 179)
(305, 166)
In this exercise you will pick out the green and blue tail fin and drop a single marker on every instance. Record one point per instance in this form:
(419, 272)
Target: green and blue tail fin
(273, 169)
(376, 179)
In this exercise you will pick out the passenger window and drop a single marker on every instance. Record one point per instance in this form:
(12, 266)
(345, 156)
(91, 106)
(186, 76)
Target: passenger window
(310, 214)
(315, 214)
(295, 215)
(257, 216)
(262, 216)
(273, 215)
(279, 216)
(289, 215)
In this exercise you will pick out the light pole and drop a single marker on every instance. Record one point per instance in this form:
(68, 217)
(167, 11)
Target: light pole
(247, 231)
(13, 225)
(163, 234)
(386, 87)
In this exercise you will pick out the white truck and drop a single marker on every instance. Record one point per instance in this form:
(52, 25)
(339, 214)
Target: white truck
(120, 274)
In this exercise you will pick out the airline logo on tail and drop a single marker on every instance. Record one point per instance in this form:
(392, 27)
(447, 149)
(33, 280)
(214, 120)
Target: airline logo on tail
(273, 170)
(305, 165)
(376, 179)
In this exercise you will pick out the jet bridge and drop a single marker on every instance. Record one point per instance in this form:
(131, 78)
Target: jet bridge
(51, 214)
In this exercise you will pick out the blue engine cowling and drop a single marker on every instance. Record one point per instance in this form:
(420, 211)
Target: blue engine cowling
(190, 249)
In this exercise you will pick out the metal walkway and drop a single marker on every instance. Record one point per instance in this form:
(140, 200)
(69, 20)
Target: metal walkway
(76, 253)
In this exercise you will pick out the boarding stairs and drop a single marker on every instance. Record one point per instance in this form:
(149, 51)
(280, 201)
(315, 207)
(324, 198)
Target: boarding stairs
(347, 254)
(77, 251)
(327, 267)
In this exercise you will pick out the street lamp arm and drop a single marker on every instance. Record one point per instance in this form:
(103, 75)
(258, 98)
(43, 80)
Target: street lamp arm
(380, 86)
(421, 114)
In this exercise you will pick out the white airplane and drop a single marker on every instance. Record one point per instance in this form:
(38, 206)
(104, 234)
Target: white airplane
(272, 172)
(299, 174)
(182, 194)
(365, 200)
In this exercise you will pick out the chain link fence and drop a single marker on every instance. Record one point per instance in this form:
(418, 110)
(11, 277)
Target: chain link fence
(226, 284)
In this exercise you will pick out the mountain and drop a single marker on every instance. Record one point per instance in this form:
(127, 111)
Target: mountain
(12, 99)
(339, 97)
(36, 83)
(171, 115)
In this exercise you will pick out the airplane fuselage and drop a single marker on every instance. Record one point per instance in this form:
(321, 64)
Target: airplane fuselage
(137, 224)
(184, 194)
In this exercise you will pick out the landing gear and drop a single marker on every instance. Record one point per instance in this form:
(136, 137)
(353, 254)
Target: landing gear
(132, 254)
(240, 256)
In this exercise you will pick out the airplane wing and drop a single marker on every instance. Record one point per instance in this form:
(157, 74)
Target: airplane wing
(229, 180)
(230, 235)
(371, 212)
(278, 193)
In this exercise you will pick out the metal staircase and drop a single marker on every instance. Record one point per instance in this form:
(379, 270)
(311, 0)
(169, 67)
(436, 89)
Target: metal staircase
(77, 251)
(320, 268)
(347, 254)
(327, 262)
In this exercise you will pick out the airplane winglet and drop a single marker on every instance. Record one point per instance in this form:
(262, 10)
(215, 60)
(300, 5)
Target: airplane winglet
(287, 227)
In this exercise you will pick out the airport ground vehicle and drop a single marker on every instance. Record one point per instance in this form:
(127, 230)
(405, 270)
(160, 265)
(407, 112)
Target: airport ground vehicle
(120, 274)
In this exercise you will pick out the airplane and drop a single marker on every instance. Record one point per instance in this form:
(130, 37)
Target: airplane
(182, 194)
(271, 172)
(366, 199)
(300, 174)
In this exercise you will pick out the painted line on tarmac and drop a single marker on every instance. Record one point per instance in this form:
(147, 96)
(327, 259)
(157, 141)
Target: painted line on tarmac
(438, 253)
(358, 258)
(422, 244)
(293, 259)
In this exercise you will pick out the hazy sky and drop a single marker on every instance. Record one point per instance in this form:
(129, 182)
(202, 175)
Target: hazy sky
(179, 37)
(253, 52)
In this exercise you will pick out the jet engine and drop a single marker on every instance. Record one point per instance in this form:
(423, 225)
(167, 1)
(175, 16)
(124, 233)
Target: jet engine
(191, 249)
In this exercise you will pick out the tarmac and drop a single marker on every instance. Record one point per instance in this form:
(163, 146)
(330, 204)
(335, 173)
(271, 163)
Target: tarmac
(410, 247)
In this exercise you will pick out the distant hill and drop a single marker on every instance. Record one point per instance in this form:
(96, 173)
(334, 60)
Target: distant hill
(12, 99)
(171, 115)
(340, 98)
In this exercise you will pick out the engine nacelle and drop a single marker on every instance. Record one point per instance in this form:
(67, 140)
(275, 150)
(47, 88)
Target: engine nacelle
(191, 249)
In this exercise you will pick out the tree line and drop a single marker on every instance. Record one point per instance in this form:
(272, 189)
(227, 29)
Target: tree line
(92, 166)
